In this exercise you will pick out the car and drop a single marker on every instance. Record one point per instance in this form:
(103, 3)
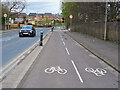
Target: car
(27, 30)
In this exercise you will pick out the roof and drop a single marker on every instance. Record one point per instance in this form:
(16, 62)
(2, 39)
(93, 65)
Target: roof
(32, 14)
(40, 14)
(57, 15)
(47, 14)
(21, 15)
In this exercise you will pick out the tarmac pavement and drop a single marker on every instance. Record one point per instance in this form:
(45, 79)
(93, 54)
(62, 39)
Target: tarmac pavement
(64, 63)
(105, 50)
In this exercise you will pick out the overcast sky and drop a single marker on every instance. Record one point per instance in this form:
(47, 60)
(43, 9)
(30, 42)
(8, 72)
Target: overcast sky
(43, 6)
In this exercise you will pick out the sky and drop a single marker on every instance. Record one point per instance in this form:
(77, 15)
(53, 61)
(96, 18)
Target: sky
(43, 6)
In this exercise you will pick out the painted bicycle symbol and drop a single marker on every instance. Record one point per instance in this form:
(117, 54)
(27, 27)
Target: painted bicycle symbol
(97, 72)
(57, 69)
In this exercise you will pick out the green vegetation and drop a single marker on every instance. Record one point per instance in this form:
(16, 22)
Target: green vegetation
(86, 12)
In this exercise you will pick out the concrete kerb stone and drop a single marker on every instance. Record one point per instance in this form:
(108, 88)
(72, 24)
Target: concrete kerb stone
(104, 59)
(17, 74)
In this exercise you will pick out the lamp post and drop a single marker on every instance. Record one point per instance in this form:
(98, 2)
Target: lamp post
(105, 31)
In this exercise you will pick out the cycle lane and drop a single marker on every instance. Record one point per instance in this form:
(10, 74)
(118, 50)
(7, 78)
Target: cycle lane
(53, 54)
(84, 59)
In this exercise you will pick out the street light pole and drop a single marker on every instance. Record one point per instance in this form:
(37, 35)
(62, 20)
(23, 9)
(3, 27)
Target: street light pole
(105, 31)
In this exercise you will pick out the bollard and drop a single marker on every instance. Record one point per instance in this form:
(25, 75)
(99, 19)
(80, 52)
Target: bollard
(52, 28)
(41, 38)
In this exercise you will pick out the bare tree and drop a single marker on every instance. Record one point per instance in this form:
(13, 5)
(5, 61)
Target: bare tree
(14, 6)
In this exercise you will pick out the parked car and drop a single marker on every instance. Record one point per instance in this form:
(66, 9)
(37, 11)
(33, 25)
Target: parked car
(27, 30)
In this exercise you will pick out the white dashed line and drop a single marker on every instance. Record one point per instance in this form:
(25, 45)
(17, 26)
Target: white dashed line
(64, 43)
(60, 36)
(67, 51)
(62, 39)
(77, 71)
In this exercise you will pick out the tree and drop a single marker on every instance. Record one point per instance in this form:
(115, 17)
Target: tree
(4, 10)
(84, 12)
(113, 10)
(13, 7)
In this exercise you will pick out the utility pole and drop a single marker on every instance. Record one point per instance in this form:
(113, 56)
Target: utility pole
(105, 31)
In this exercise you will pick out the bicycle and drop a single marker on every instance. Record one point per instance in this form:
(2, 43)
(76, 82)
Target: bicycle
(57, 69)
(97, 72)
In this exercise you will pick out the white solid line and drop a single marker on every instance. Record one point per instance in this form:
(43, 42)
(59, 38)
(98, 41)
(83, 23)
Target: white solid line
(77, 71)
(67, 51)
(64, 43)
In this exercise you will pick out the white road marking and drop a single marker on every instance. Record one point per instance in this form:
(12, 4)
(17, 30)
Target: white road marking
(67, 51)
(97, 72)
(64, 43)
(77, 71)
(17, 58)
(57, 69)
(60, 36)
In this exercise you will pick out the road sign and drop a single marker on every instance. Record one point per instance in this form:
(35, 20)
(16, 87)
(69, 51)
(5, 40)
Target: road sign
(71, 16)
(5, 15)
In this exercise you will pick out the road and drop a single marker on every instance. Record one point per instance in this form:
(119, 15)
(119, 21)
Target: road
(62, 51)
(13, 45)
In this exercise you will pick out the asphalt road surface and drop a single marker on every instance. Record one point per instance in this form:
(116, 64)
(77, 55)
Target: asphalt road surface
(72, 63)
(13, 45)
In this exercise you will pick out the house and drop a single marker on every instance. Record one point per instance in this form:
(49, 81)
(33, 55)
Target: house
(20, 17)
(39, 16)
(32, 16)
(48, 15)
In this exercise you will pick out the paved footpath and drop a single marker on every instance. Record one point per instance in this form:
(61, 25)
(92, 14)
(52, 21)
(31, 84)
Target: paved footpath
(72, 65)
(105, 50)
